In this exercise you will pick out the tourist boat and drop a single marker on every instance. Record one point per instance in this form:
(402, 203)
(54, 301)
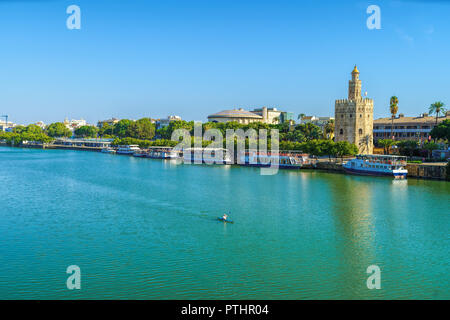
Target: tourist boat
(161, 153)
(130, 149)
(108, 150)
(140, 154)
(207, 155)
(268, 159)
(377, 165)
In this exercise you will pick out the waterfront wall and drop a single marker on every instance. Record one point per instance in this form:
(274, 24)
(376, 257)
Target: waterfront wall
(427, 170)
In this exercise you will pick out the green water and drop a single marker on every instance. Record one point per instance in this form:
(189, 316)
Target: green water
(146, 229)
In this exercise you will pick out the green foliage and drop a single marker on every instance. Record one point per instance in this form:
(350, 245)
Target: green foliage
(142, 129)
(345, 148)
(407, 147)
(14, 139)
(441, 131)
(144, 143)
(86, 132)
(386, 144)
(106, 130)
(57, 130)
(121, 128)
(310, 131)
(437, 108)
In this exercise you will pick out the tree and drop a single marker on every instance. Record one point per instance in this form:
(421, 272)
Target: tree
(386, 144)
(33, 128)
(309, 130)
(436, 108)
(301, 116)
(142, 129)
(393, 108)
(58, 129)
(106, 130)
(430, 146)
(329, 129)
(345, 148)
(407, 147)
(441, 131)
(86, 132)
(121, 128)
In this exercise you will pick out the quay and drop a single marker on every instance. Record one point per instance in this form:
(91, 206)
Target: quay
(433, 171)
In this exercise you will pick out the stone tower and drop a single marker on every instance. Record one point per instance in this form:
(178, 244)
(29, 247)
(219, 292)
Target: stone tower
(354, 117)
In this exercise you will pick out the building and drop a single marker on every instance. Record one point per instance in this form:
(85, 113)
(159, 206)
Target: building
(406, 128)
(74, 124)
(7, 126)
(40, 124)
(318, 121)
(287, 117)
(264, 114)
(238, 115)
(161, 123)
(270, 115)
(354, 117)
(110, 122)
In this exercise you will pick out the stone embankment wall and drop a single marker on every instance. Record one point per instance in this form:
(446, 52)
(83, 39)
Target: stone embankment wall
(427, 170)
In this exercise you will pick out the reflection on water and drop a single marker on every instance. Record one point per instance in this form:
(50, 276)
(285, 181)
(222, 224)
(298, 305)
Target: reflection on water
(148, 229)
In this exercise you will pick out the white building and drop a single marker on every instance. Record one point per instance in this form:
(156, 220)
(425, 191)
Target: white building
(7, 126)
(74, 124)
(318, 121)
(161, 123)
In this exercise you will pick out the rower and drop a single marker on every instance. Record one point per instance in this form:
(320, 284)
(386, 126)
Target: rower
(225, 216)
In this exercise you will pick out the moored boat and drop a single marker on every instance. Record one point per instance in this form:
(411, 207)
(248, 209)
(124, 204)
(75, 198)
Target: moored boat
(108, 150)
(377, 165)
(267, 159)
(207, 155)
(161, 153)
(129, 149)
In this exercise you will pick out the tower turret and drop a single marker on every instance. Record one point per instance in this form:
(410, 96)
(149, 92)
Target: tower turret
(354, 86)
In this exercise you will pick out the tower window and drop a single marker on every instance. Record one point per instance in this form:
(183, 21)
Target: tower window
(350, 116)
(360, 115)
(360, 131)
(341, 131)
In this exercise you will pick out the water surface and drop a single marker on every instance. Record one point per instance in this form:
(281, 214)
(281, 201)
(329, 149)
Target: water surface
(146, 229)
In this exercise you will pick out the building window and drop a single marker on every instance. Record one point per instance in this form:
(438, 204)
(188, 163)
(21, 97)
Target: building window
(342, 115)
(360, 115)
(360, 131)
(341, 131)
(350, 116)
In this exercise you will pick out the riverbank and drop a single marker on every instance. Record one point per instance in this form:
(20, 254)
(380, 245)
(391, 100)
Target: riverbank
(432, 171)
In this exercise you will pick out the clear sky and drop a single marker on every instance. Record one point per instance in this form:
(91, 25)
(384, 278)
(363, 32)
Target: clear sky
(191, 58)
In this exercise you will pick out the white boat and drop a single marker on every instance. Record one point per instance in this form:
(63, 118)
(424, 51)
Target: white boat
(108, 150)
(130, 149)
(267, 159)
(377, 165)
(207, 155)
(164, 153)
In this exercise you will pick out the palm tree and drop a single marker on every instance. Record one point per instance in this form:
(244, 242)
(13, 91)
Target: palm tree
(393, 108)
(437, 108)
(301, 116)
(329, 129)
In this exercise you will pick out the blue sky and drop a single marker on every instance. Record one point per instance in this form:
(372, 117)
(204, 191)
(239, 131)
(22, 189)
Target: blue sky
(139, 58)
